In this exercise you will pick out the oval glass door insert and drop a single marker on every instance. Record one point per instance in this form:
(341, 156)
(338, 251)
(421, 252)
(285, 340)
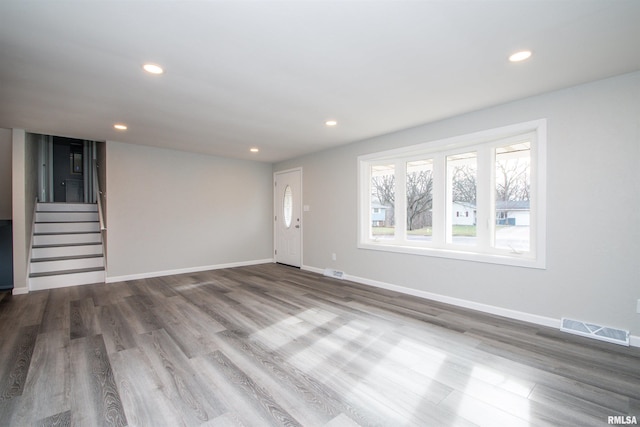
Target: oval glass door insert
(287, 206)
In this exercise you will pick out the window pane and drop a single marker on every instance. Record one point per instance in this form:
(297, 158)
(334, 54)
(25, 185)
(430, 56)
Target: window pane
(287, 206)
(382, 201)
(462, 175)
(419, 199)
(513, 189)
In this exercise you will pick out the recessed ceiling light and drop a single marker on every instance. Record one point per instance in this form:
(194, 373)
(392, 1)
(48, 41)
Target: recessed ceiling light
(520, 56)
(153, 69)
(254, 150)
(331, 123)
(120, 126)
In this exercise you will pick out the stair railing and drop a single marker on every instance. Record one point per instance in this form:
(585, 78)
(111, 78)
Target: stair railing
(99, 195)
(103, 227)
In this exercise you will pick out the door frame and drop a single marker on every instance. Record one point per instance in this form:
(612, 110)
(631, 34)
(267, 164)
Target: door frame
(275, 213)
(46, 166)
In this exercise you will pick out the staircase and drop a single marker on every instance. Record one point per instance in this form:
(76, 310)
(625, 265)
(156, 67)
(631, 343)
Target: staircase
(67, 246)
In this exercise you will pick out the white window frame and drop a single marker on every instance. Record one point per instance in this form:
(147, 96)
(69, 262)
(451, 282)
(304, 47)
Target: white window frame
(484, 143)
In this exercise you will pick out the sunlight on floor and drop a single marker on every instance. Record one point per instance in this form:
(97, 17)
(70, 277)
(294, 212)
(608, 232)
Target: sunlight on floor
(394, 381)
(491, 398)
(190, 286)
(402, 377)
(493, 377)
(324, 353)
(285, 331)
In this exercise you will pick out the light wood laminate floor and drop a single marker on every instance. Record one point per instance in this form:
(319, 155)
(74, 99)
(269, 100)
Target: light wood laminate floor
(272, 345)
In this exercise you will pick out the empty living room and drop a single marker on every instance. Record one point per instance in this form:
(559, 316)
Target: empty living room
(319, 213)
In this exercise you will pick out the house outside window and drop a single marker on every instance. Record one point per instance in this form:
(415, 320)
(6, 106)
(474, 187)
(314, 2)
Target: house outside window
(378, 215)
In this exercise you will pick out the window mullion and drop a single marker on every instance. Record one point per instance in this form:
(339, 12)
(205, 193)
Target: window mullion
(534, 208)
(439, 200)
(401, 201)
(365, 201)
(485, 198)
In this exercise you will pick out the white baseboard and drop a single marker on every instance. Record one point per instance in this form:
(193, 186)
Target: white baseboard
(485, 308)
(19, 291)
(113, 279)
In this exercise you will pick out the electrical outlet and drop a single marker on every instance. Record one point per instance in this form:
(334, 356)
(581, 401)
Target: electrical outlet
(334, 257)
(638, 307)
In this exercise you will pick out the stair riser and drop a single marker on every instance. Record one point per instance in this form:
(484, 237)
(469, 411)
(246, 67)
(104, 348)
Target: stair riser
(61, 251)
(64, 280)
(67, 264)
(53, 207)
(69, 227)
(62, 239)
(66, 216)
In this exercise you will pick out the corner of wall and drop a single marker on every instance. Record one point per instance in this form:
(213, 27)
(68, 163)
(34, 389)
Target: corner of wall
(19, 216)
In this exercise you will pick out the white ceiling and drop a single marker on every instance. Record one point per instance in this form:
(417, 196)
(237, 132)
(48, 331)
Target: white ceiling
(268, 74)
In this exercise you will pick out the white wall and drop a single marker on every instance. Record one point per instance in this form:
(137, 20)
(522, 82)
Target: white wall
(5, 173)
(176, 211)
(20, 245)
(24, 186)
(592, 270)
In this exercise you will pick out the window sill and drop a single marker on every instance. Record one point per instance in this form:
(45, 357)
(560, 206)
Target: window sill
(515, 260)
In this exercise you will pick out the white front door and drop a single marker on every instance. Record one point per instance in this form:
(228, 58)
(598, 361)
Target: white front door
(288, 218)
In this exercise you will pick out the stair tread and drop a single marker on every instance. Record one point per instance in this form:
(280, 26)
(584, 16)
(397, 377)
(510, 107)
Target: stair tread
(63, 222)
(68, 210)
(63, 233)
(61, 272)
(69, 205)
(65, 258)
(61, 245)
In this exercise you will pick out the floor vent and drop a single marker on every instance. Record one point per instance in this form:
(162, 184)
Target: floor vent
(336, 274)
(598, 332)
